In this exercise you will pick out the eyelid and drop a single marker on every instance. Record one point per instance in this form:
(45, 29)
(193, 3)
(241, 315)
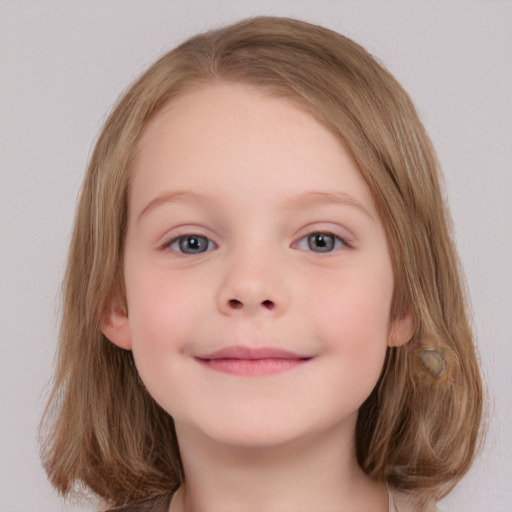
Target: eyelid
(341, 233)
(339, 243)
(183, 232)
(176, 244)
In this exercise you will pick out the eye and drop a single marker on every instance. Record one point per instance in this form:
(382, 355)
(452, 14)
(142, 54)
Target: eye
(321, 242)
(190, 244)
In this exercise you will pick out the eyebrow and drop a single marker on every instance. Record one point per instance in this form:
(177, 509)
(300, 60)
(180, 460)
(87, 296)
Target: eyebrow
(311, 199)
(308, 199)
(170, 197)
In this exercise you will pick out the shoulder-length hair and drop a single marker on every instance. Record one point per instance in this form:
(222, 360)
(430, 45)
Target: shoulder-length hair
(418, 430)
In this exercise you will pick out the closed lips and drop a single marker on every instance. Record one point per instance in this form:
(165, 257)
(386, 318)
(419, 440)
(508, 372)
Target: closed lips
(239, 360)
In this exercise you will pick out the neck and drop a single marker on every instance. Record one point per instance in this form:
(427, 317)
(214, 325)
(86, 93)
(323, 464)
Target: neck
(318, 474)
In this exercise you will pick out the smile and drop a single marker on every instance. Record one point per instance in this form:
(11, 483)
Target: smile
(252, 362)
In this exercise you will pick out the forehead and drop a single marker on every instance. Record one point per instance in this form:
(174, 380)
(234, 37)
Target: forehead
(241, 134)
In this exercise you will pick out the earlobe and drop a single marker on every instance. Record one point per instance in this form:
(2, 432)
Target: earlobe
(401, 330)
(116, 327)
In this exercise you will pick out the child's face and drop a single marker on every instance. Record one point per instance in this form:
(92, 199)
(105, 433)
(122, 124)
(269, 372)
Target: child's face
(249, 227)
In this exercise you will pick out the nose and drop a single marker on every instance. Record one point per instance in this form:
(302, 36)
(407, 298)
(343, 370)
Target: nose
(248, 304)
(253, 286)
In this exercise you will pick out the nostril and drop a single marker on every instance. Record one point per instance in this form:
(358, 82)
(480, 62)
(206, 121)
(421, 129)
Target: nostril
(235, 304)
(268, 304)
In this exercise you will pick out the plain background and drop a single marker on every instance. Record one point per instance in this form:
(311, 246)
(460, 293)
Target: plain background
(64, 63)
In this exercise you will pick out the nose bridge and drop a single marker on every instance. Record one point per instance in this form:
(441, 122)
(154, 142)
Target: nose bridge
(253, 280)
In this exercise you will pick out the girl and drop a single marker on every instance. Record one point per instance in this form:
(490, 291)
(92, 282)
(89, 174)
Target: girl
(263, 308)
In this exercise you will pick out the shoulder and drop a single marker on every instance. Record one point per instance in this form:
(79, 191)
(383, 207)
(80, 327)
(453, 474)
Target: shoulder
(158, 504)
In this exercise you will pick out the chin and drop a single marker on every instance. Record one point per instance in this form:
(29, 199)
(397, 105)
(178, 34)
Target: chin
(267, 430)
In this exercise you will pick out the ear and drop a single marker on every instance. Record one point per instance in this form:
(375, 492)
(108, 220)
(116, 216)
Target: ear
(401, 330)
(116, 327)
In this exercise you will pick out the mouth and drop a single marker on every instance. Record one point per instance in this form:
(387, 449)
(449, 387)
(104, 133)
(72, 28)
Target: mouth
(252, 362)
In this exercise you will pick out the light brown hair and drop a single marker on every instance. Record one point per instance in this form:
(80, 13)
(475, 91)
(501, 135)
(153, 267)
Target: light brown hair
(416, 431)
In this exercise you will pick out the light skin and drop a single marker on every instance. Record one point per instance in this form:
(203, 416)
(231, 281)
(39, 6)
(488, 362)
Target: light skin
(250, 227)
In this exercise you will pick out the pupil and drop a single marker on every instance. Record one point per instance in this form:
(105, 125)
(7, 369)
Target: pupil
(193, 244)
(321, 242)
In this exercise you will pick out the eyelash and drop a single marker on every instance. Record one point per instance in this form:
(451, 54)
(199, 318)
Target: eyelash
(338, 242)
(332, 242)
(182, 238)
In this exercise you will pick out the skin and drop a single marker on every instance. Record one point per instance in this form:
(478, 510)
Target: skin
(253, 176)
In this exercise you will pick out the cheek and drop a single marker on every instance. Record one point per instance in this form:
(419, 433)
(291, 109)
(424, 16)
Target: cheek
(354, 339)
(159, 316)
(360, 319)
(353, 318)
(160, 311)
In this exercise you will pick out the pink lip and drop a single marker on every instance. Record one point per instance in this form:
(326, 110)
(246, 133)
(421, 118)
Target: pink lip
(239, 360)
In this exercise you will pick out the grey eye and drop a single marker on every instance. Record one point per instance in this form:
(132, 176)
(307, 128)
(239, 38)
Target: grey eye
(191, 244)
(320, 242)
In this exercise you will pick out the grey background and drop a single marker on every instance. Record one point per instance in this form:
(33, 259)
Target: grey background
(64, 63)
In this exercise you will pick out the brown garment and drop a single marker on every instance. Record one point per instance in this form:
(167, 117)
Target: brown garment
(159, 504)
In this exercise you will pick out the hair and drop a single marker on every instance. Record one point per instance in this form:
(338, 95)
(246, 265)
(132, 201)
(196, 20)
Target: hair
(417, 431)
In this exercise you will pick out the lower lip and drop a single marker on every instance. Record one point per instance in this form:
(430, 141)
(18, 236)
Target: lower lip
(252, 367)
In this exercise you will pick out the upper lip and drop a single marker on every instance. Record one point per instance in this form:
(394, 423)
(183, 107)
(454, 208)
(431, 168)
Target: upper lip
(243, 352)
